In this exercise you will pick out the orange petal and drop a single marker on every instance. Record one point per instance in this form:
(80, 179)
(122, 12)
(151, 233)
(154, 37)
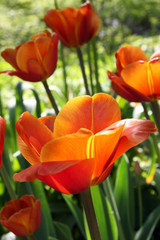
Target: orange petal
(94, 113)
(9, 56)
(154, 67)
(33, 132)
(105, 144)
(25, 53)
(105, 111)
(156, 54)
(127, 55)
(67, 148)
(50, 59)
(124, 90)
(134, 132)
(48, 121)
(142, 82)
(87, 24)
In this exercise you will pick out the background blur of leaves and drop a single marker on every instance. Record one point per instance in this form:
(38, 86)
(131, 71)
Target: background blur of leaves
(123, 22)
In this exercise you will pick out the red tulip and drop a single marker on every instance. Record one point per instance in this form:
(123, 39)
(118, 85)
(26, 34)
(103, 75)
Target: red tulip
(77, 149)
(2, 134)
(137, 78)
(74, 27)
(34, 60)
(21, 216)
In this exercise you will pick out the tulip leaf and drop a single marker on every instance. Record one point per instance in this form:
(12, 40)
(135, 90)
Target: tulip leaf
(63, 231)
(88, 236)
(77, 213)
(104, 214)
(124, 197)
(145, 232)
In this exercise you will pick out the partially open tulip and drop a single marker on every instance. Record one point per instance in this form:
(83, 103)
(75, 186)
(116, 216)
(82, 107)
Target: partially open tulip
(34, 60)
(137, 78)
(77, 149)
(21, 216)
(2, 134)
(74, 26)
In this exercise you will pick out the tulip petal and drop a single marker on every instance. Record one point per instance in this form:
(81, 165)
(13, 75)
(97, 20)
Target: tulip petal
(31, 77)
(105, 144)
(147, 77)
(25, 52)
(127, 55)
(50, 59)
(69, 147)
(134, 132)
(9, 56)
(94, 113)
(126, 91)
(33, 132)
(48, 121)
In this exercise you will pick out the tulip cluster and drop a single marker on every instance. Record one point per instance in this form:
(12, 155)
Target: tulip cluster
(76, 149)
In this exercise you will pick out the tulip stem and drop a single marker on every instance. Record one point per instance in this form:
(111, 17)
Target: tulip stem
(32, 237)
(80, 57)
(90, 215)
(109, 194)
(156, 113)
(50, 96)
(154, 139)
(7, 182)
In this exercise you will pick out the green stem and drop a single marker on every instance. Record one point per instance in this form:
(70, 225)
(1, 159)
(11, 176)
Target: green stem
(80, 57)
(64, 71)
(154, 139)
(50, 96)
(90, 67)
(32, 237)
(109, 194)
(7, 182)
(156, 113)
(140, 204)
(95, 56)
(90, 215)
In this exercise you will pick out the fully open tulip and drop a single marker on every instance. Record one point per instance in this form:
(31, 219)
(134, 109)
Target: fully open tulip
(21, 216)
(74, 27)
(34, 60)
(2, 134)
(138, 77)
(77, 149)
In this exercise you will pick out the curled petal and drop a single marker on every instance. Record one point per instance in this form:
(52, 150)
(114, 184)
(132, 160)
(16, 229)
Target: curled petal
(48, 121)
(127, 55)
(125, 90)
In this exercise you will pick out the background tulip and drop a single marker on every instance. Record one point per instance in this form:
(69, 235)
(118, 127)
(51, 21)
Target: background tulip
(2, 134)
(137, 78)
(74, 27)
(34, 60)
(78, 148)
(21, 216)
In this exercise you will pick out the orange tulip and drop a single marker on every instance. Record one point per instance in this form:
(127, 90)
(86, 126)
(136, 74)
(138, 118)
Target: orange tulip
(2, 134)
(21, 216)
(74, 27)
(77, 149)
(34, 60)
(137, 78)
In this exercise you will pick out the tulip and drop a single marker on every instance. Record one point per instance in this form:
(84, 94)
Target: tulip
(74, 27)
(34, 60)
(137, 78)
(2, 134)
(77, 149)
(21, 216)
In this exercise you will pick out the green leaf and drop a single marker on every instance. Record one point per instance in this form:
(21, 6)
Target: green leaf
(124, 197)
(145, 232)
(104, 214)
(77, 213)
(63, 231)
